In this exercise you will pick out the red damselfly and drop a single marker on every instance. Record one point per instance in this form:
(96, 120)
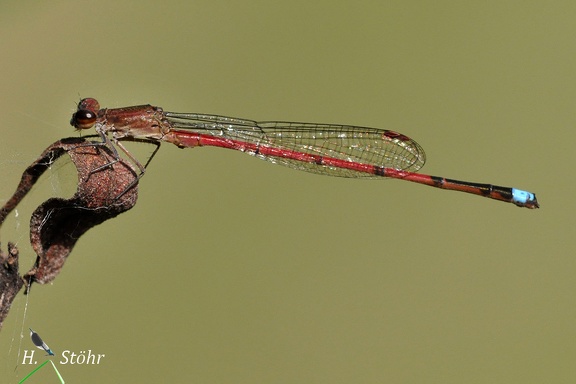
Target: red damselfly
(327, 149)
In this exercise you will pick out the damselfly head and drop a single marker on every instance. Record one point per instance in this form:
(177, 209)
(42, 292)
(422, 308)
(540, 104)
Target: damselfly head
(86, 115)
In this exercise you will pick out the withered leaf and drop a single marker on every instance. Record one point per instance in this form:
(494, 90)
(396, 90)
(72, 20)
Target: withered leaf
(106, 187)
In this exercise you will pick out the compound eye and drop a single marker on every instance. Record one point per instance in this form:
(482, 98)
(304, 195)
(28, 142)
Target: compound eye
(83, 119)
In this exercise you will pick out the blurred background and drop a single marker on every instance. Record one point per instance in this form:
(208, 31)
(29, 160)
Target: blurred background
(233, 270)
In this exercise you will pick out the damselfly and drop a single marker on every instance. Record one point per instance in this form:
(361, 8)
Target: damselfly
(327, 149)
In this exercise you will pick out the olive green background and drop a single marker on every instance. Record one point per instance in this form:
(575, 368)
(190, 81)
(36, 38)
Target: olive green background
(232, 270)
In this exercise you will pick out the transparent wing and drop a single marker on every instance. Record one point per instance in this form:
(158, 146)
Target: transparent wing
(372, 146)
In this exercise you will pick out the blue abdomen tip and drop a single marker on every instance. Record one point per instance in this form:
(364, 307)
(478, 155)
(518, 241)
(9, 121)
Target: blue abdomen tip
(521, 196)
